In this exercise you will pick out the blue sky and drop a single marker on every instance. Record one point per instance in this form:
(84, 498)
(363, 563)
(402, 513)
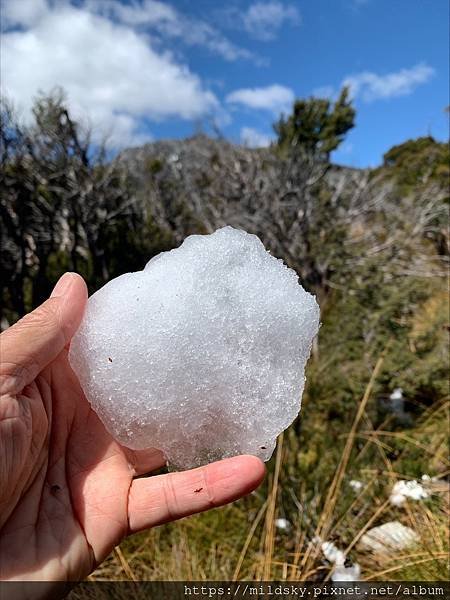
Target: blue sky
(145, 69)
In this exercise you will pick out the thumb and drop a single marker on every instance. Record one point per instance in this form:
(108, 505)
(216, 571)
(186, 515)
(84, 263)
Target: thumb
(32, 343)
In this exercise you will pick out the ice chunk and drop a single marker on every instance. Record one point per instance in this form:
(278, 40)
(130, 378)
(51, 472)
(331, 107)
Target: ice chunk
(333, 554)
(201, 354)
(407, 489)
(356, 485)
(342, 569)
(427, 479)
(388, 537)
(282, 524)
(343, 573)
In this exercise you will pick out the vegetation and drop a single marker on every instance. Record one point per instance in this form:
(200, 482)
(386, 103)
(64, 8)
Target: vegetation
(315, 127)
(373, 246)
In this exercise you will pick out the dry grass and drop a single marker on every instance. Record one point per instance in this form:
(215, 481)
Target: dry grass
(242, 541)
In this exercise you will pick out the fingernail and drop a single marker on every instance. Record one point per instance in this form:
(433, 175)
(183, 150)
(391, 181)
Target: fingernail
(62, 286)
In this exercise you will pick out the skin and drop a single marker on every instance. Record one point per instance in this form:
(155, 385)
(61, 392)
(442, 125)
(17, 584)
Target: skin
(68, 490)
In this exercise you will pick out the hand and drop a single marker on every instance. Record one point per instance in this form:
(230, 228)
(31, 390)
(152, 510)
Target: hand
(68, 492)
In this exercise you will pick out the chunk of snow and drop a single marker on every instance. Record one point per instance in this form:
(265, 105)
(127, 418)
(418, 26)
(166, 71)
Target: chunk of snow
(356, 485)
(407, 489)
(397, 405)
(332, 553)
(397, 499)
(343, 573)
(427, 479)
(202, 354)
(282, 524)
(390, 536)
(397, 394)
(340, 571)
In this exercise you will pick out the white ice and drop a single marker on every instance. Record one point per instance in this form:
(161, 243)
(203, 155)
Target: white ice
(403, 489)
(342, 569)
(202, 354)
(388, 537)
(282, 524)
(343, 573)
(333, 554)
(356, 485)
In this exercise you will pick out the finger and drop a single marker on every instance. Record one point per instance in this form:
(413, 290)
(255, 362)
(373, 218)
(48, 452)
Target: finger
(33, 342)
(145, 461)
(156, 500)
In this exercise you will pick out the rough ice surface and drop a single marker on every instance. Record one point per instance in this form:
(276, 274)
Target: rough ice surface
(201, 354)
(332, 553)
(407, 489)
(343, 573)
(388, 537)
(282, 524)
(342, 570)
(356, 485)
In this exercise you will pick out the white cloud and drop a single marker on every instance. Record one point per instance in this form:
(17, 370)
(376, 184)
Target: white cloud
(23, 13)
(275, 98)
(110, 72)
(262, 20)
(199, 33)
(165, 20)
(370, 86)
(255, 139)
(147, 12)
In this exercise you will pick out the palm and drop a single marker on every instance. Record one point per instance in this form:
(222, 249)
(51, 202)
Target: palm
(74, 481)
(68, 492)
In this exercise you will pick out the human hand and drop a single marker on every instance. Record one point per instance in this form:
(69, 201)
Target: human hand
(68, 490)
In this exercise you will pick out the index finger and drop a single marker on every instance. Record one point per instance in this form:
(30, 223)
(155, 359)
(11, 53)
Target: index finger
(157, 500)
